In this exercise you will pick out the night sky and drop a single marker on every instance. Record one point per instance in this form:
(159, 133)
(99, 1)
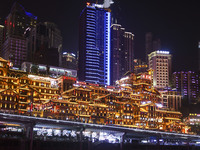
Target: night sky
(177, 24)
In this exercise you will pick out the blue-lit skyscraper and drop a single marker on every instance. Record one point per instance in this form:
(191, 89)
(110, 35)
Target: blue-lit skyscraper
(94, 44)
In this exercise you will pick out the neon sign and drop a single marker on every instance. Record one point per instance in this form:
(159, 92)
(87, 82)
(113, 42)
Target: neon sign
(148, 77)
(163, 52)
(69, 78)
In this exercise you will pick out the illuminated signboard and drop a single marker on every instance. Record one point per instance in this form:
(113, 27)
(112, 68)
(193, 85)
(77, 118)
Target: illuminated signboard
(69, 78)
(10, 64)
(110, 87)
(163, 52)
(81, 83)
(92, 84)
(144, 76)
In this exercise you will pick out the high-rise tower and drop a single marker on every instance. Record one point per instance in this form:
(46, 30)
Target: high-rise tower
(16, 24)
(160, 62)
(121, 52)
(188, 84)
(151, 44)
(94, 44)
(41, 39)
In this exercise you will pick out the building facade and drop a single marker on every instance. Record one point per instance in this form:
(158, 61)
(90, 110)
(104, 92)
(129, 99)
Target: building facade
(151, 44)
(94, 45)
(55, 38)
(193, 119)
(160, 62)
(16, 24)
(188, 84)
(41, 41)
(1, 37)
(24, 93)
(48, 70)
(121, 52)
(133, 103)
(171, 99)
(140, 66)
(15, 50)
(69, 61)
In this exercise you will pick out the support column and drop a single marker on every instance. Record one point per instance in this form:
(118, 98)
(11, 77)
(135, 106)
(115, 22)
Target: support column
(90, 141)
(122, 141)
(29, 134)
(81, 138)
(23, 144)
(188, 144)
(158, 141)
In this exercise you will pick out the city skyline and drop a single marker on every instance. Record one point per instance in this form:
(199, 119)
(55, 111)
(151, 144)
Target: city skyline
(94, 72)
(176, 26)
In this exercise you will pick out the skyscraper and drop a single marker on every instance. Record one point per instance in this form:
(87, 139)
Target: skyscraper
(160, 62)
(151, 44)
(188, 84)
(16, 23)
(15, 49)
(94, 44)
(37, 42)
(42, 39)
(121, 52)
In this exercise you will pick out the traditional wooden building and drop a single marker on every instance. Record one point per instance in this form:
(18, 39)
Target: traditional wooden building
(132, 103)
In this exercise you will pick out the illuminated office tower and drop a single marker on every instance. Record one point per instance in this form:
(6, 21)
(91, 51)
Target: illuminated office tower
(94, 44)
(188, 84)
(16, 23)
(121, 52)
(160, 62)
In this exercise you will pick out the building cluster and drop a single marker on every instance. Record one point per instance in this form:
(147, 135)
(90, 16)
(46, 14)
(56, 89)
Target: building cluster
(132, 103)
(140, 66)
(112, 88)
(106, 53)
(105, 50)
(24, 39)
(24, 93)
(193, 119)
